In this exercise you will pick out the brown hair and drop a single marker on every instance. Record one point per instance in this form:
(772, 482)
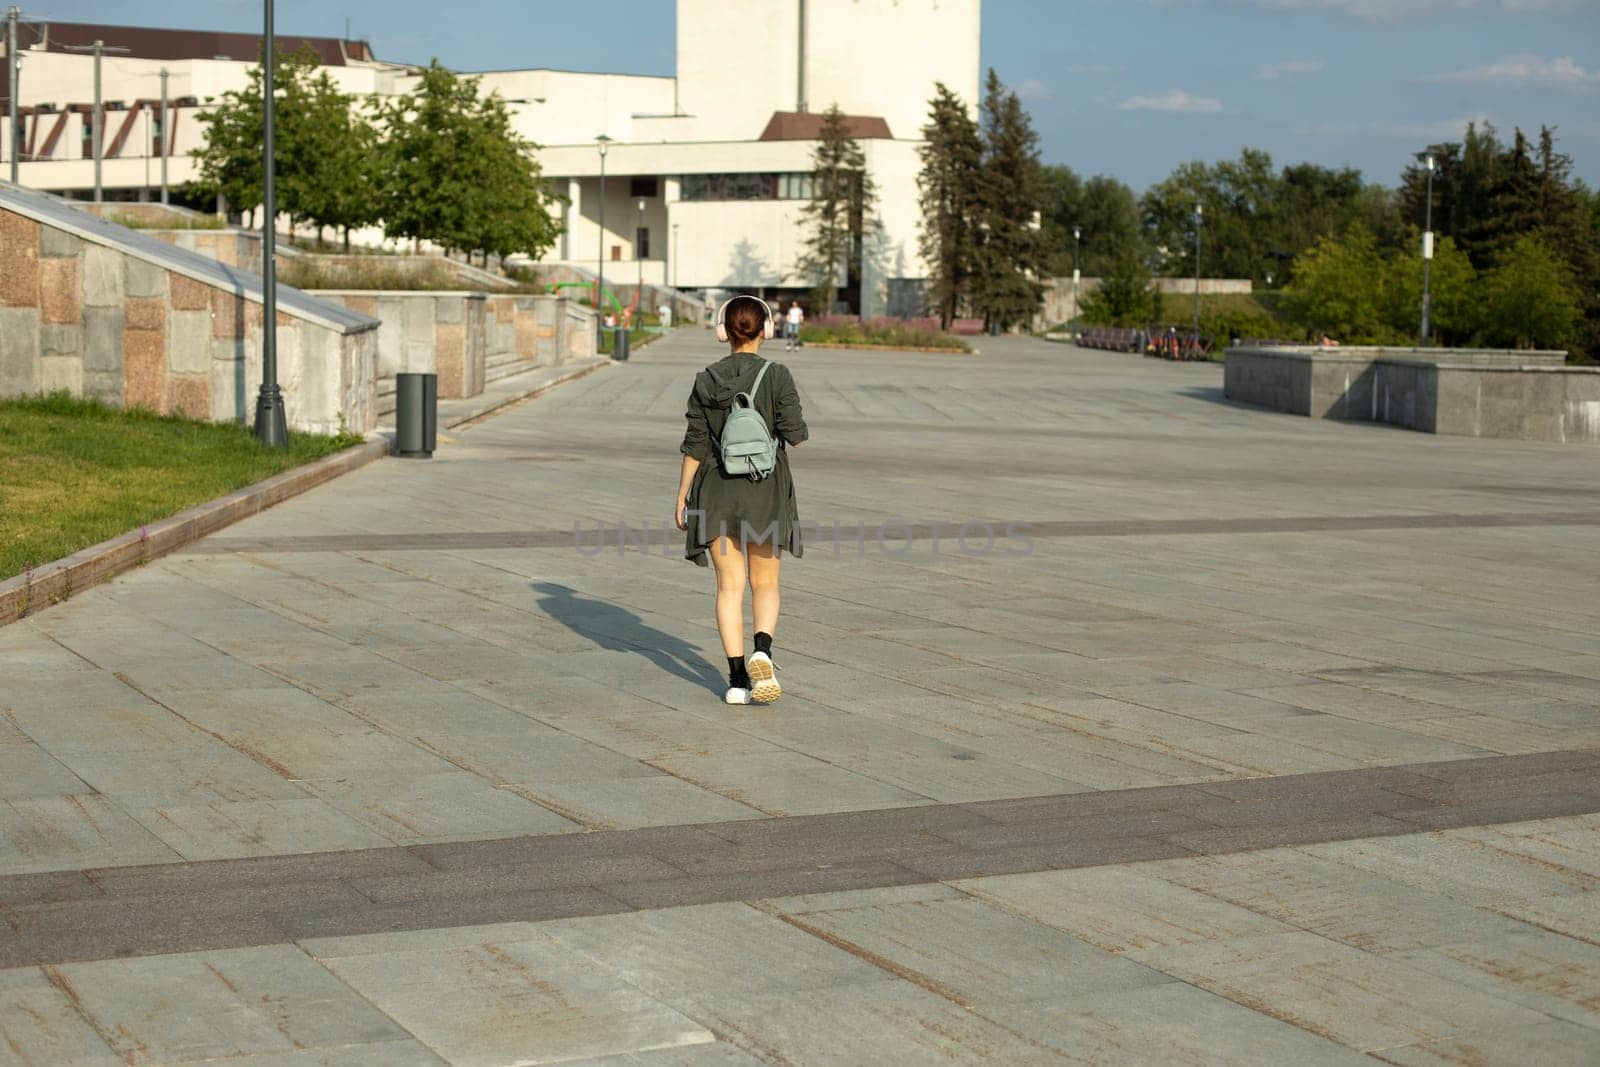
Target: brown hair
(745, 318)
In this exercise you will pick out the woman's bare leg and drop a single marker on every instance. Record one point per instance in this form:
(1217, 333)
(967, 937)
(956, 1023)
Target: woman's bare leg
(763, 561)
(729, 563)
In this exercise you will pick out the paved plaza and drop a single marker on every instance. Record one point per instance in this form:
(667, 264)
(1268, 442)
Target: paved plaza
(1121, 725)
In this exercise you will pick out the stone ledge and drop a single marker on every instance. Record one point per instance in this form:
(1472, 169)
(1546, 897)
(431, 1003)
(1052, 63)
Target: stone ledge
(1498, 393)
(27, 595)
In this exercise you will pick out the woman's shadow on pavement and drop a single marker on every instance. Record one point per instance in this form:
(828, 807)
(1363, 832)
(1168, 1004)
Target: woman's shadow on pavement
(620, 630)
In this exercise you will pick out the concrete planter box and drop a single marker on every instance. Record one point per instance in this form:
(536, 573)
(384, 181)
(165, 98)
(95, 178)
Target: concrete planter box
(1529, 396)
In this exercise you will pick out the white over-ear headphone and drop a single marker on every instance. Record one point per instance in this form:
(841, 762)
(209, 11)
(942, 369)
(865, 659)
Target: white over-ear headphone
(768, 331)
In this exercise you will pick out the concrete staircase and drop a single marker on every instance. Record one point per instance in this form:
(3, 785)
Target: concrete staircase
(504, 365)
(497, 369)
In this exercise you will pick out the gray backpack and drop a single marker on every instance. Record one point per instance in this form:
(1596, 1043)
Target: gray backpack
(747, 445)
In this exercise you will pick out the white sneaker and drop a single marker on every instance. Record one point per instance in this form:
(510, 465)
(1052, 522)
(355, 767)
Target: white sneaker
(737, 695)
(763, 674)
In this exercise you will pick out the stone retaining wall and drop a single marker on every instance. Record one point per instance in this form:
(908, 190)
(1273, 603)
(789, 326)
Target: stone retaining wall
(459, 335)
(1057, 307)
(98, 310)
(234, 248)
(424, 333)
(1530, 396)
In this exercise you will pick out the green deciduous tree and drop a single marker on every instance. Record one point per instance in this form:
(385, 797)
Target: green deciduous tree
(322, 157)
(1490, 195)
(1124, 296)
(1105, 211)
(230, 161)
(452, 171)
(336, 179)
(1453, 313)
(1258, 219)
(948, 194)
(1010, 248)
(1240, 216)
(836, 222)
(1530, 299)
(1338, 289)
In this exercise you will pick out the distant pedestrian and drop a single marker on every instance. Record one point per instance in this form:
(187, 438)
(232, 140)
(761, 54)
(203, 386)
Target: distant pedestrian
(791, 326)
(743, 521)
(1327, 342)
(664, 312)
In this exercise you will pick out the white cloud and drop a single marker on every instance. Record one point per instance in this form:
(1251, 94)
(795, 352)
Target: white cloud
(1431, 132)
(1273, 71)
(1524, 71)
(1033, 89)
(1173, 100)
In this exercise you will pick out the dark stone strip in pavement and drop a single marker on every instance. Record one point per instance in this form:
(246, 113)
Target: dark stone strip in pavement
(609, 536)
(66, 916)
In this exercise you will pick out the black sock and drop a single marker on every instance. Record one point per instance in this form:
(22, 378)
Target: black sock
(736, 668)
(764, 642)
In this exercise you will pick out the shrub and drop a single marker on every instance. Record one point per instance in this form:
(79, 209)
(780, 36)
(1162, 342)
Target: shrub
(880, 333)
(1530, 299)
(383, 273)
(142, 222)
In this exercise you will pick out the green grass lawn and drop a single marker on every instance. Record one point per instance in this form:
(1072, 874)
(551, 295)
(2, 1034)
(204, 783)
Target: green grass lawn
(74, 473)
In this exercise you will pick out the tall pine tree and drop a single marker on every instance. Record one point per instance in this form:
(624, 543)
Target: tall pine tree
(1010, 254)
(949, 197)
(838, 218)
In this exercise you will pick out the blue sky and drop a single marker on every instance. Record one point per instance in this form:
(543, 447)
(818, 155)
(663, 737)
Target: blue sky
(1122, 87)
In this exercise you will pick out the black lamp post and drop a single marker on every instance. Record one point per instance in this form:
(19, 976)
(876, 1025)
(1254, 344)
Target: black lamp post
(1427, 254)
(271, 425)
(13, 142)
(1077, 234)
(166, 136)
(638, 247)
(1199, 217)
(604, 143)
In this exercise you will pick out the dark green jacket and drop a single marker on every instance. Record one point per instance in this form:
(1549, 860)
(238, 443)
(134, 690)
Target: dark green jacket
(763, 511)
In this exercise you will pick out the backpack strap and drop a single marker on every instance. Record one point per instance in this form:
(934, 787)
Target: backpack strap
(750, 394)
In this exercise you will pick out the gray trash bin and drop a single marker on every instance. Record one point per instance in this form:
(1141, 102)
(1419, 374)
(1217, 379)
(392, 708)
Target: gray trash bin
(619, 343)
(416, 415)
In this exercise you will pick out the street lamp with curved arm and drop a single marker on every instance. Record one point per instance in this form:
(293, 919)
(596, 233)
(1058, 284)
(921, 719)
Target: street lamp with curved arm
(603, 143)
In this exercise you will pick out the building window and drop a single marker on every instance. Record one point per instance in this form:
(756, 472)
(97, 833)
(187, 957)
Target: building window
(647, 186)
(158, 135)
(88, 136)
(798, 187)
(641, 243)
(793, 186)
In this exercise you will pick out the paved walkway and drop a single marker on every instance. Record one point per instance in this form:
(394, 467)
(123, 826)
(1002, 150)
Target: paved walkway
(1246, 737)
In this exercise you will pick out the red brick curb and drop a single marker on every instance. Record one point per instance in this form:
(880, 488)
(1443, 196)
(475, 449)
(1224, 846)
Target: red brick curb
(27, 594)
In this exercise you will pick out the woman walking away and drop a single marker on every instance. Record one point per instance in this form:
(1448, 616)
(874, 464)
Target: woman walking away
(735, 496)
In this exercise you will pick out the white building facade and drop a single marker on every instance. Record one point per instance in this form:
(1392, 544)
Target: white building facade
(705, 172)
